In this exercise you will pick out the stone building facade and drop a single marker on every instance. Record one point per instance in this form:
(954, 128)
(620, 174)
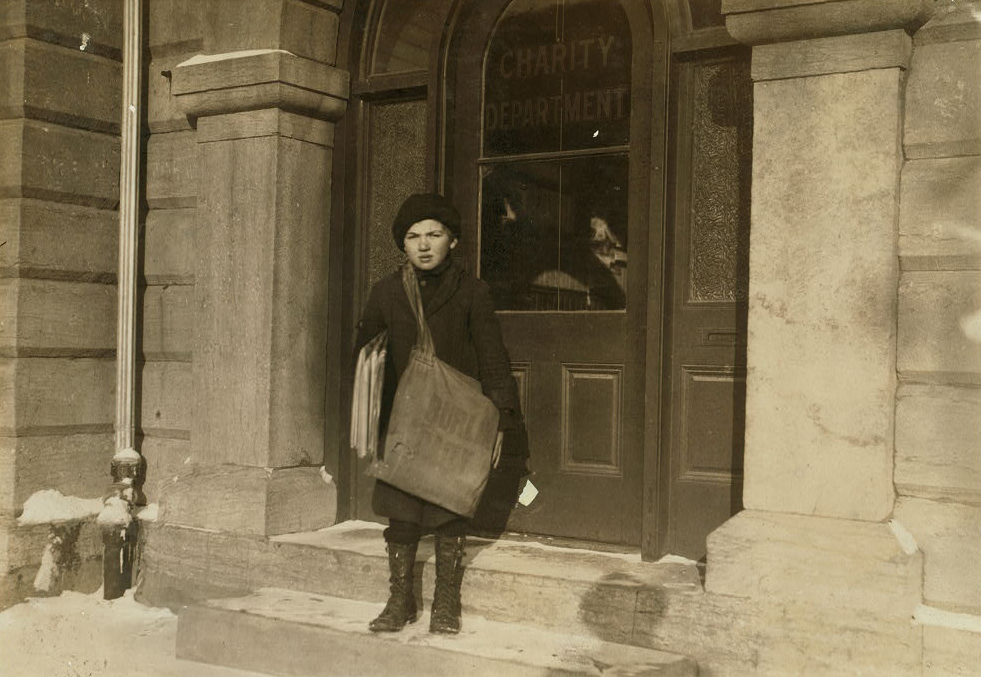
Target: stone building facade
(857, 530)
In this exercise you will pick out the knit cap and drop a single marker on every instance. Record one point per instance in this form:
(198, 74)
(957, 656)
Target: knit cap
(422, 206)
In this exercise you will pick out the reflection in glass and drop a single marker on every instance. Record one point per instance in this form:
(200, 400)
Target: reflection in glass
(593, 250)
(519, 234)
(554, 234)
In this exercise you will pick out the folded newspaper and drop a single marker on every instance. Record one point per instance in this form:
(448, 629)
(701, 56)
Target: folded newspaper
(369, 378)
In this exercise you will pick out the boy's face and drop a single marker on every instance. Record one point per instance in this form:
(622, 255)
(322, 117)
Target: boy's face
(427, 243)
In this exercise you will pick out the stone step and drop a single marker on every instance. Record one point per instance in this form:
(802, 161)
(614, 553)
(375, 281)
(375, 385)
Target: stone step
(284, 632)
(571, 590)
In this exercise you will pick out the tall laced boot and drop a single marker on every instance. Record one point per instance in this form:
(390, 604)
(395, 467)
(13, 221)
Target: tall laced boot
(445, 617)
(401, 606)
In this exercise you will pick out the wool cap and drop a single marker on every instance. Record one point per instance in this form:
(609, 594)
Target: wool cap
(422, 206)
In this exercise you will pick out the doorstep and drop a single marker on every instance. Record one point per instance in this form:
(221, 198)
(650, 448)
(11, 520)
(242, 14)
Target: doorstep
(568, 589)
(283, 632)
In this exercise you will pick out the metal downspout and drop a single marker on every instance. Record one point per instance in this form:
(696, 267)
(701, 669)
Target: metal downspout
(119, 529)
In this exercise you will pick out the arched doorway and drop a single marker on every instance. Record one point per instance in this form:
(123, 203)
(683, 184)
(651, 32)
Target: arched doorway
(607, 214)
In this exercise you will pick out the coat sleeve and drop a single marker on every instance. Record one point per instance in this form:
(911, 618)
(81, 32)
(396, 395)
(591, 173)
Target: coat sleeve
(493, 362)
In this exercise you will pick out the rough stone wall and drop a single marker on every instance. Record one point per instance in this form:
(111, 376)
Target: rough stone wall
(60, 79)
(938, 403)
(167, 280)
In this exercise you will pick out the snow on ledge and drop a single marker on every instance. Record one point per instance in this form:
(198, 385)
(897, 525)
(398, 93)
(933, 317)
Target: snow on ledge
(677, 559)
(227, 56)
(50, 505)
(354, 525)
(906, 540)
(127, 454)
(503, 544)
(928, 615)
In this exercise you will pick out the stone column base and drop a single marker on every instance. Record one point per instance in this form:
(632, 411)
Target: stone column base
(873, 567)
(247, 500)
(828, 596)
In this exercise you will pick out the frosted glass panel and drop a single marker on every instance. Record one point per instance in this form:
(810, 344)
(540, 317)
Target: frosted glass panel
(397, 168)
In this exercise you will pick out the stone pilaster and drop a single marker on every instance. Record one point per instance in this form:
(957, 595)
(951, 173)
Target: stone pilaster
(264, 135)
(827, 155)
(820, 414)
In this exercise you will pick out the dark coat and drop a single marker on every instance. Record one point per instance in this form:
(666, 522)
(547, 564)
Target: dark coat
(467, 336)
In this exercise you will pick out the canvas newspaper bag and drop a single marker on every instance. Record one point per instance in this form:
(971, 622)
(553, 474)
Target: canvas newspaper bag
(441, 433)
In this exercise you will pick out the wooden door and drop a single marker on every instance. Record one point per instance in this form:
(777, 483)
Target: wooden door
(708, 289)
(553, 109)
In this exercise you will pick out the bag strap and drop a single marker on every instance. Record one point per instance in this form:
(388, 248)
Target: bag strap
(424, 339)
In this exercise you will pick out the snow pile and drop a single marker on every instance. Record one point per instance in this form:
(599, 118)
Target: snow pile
(115, 513)
(64, 515)
(49, 572)
(85, 635)
(148, 513)
(50, 505)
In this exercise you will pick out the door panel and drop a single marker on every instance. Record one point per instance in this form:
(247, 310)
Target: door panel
(708, 485)
(709, 289)
(592, 425)
(712, 397)
(582, 426)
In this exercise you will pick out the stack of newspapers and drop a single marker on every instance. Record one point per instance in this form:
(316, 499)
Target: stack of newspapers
(369, 378)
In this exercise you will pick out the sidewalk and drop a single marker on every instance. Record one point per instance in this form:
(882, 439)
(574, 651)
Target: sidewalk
(76, 635)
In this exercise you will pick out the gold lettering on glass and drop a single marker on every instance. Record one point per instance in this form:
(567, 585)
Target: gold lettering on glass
(556, 129)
